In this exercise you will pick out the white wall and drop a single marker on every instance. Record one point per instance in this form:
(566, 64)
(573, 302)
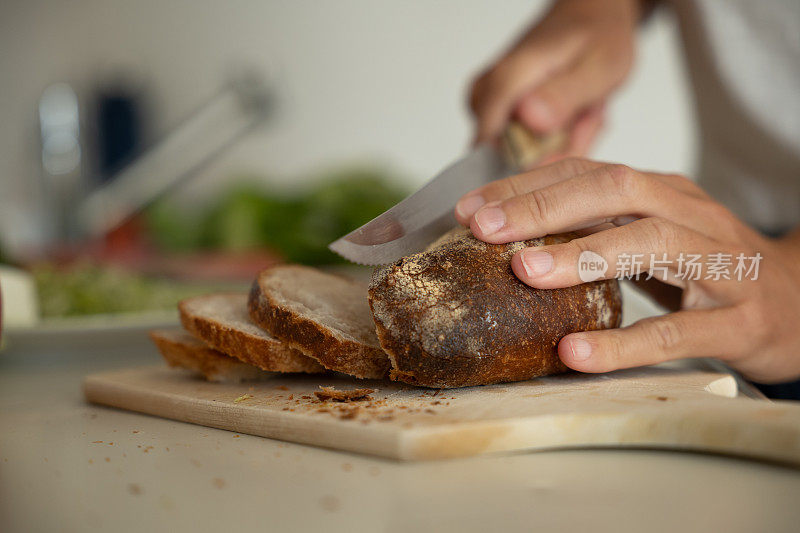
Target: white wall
(356, 78)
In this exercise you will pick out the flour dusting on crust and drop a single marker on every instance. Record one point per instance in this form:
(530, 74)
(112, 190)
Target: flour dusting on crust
(456, 315)
(437, 297)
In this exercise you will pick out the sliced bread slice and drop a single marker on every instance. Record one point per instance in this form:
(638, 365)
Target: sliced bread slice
(325, 316)
(221, 321)
(180, 349)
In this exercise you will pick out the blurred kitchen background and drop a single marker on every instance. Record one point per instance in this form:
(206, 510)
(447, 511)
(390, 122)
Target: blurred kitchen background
(276, 111)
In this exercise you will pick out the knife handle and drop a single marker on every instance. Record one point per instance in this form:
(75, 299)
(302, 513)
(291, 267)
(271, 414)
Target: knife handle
(523, 148)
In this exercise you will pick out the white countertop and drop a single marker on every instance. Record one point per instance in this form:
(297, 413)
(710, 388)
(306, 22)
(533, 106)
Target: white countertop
(69, 466)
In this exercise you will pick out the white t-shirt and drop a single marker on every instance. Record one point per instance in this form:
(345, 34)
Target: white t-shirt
(744, 63)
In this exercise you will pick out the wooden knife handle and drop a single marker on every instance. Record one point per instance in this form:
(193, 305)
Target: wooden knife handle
(523, 148)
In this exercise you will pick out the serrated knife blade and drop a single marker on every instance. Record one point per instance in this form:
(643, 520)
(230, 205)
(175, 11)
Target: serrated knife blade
(416, 221)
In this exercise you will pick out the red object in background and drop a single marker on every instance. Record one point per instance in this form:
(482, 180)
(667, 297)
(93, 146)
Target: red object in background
(127, 247)
(126, 237)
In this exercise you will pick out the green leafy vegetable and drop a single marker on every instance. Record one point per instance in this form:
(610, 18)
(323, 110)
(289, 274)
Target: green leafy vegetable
(299, 224)
(89, 289)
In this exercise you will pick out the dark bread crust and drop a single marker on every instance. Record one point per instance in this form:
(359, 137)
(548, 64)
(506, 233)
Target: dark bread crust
(180, 349)
(310, 337)
(266, 354)
(456, 315)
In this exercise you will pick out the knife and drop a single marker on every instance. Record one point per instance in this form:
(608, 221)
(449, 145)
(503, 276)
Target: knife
(419, 219)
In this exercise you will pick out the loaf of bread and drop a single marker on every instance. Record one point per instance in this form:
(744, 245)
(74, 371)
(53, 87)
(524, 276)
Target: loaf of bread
(456, 315)
(221, 321)
(323, 315)
(180, 349)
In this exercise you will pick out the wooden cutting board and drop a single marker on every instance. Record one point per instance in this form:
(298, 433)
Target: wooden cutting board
(657, 407)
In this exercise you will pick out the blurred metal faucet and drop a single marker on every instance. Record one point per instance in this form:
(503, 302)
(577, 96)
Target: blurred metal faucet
(62, 181)
(242, 104)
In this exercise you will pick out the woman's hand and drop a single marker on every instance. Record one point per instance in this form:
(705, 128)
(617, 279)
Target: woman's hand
(559, 74)
(664, 220)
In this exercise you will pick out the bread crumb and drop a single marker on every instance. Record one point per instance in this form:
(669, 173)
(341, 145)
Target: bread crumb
(218, 482)
(134, 489)
(330, 393)
(242, 398)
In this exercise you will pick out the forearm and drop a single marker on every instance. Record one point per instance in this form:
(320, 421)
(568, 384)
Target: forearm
(639, 9)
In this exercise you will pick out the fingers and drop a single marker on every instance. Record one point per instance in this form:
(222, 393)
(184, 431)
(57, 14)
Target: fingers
(610, 193)
(580, 137)
(568, 62)
(495, 93)
(654, 340)
(521, 184)
(563, 96)
(590, 199)
(584, 131)
(646, 245)
(544, 175)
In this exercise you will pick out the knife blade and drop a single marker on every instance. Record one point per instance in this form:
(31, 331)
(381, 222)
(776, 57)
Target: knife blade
(420, 218)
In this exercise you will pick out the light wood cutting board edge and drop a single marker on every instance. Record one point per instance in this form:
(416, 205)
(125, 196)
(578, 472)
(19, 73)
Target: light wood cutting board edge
(712, 423)
(381, 441)
(732, 426)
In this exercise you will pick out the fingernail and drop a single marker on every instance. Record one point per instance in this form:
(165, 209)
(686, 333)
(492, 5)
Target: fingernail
(467, 206)
(490, 220)
(581, 350)
(536, 263)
